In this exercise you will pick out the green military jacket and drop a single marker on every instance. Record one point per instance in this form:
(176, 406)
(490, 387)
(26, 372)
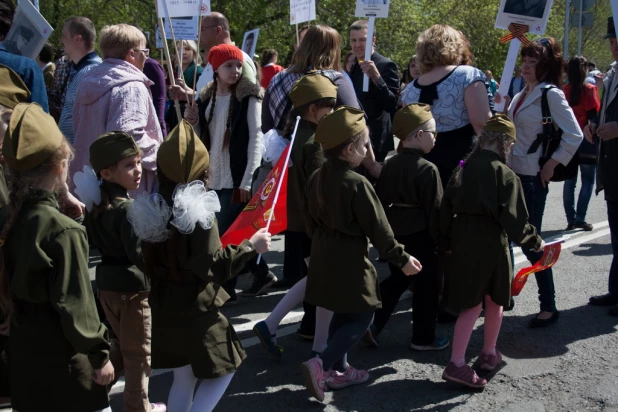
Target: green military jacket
(478, 216)
(187, 273)
(122, 266)
(341, 277)
(306, 158)
(410, 190)
(4, 191)
(57, 339)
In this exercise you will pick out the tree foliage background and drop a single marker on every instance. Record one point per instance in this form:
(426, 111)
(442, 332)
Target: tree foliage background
(396, 36)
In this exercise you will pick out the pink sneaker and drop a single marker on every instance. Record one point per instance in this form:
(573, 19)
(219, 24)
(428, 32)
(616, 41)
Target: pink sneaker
(489, 362)
(315, 377)
(158, 407)
(351, 376)
(463, 375)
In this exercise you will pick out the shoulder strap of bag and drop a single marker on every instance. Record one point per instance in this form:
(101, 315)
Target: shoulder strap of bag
(546, 119)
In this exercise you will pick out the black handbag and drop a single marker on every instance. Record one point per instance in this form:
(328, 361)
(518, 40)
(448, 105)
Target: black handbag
(550, 141)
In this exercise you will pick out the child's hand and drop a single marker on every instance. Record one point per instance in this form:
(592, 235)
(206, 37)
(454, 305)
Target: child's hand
(261, 241)
(412, 267)
(191, 114)
(104, 375)
(540, 249)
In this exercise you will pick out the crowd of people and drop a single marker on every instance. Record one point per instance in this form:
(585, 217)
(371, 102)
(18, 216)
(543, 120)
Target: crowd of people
(106, 153)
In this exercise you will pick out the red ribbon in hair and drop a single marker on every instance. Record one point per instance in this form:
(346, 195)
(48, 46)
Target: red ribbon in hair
(517, 31)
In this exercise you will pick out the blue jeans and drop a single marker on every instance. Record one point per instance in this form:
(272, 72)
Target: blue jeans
(536, 196)
(612, 217)
(585, 193)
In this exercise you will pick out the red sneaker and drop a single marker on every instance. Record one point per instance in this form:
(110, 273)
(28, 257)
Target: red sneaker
(463, 375)
(489, 362)
(351, 376)
(315, 377)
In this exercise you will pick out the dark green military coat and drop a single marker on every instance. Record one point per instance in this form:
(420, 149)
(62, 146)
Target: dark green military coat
(410, 190)
(122, 266)
(57, 339)
(341, 278)
(477, 218)
(4, 191)
(185, 297)
(306, 158)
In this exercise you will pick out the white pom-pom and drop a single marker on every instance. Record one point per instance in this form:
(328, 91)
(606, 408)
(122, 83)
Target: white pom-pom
(87, 187)
(274, 145)
(149, 216)
(193, 204)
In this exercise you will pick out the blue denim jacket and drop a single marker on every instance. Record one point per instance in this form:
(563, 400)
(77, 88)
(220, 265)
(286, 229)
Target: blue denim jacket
(31, 74)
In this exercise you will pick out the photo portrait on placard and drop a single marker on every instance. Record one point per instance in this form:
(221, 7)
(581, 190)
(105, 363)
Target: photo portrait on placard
(372, 8)
(533, 13)
(249, 42)
(24, 39)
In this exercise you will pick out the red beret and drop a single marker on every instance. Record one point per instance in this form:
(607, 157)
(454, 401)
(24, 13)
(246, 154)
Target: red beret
(222, 53)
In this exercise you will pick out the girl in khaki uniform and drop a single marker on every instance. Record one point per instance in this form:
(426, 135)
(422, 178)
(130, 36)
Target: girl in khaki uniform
(187, 267)
(483, 207)
(44, 264)
(342, 214)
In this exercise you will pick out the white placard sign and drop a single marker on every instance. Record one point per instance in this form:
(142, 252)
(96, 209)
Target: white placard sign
(249, 42)
(533, 13)
(302, 11)
(183, 8)
(372, 8)
(28, 33)
(185, 28)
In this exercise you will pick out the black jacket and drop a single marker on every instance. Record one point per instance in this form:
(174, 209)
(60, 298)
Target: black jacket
(607, 161)
(239, 133)
(380, 102)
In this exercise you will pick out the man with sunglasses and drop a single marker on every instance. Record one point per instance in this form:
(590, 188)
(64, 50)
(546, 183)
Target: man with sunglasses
(604, 133)
(215, 30)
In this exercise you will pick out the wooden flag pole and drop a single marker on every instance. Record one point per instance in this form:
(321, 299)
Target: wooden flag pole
(283, 172)
(199, 38)
(297, 36)
(178, 56)
(170, 70)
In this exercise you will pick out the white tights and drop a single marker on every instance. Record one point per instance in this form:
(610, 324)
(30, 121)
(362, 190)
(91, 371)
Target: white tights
(208, 394)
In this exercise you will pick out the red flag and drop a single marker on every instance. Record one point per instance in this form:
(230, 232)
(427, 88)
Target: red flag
(255, 215)
(551, 253)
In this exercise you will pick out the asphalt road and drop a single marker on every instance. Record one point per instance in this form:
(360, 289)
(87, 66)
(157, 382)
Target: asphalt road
(571, 365)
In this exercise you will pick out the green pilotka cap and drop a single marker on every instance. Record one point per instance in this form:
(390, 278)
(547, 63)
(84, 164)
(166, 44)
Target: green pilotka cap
(13, 90)
(311, 87)
(337, 127)
(502, 124)
(110, 148)
(409, 118)
(182, 157)
(31, 138)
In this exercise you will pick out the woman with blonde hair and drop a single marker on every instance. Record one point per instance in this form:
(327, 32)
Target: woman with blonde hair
(455, 91)
(114, 96)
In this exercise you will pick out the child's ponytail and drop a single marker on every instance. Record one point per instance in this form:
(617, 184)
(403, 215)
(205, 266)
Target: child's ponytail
(486, 139)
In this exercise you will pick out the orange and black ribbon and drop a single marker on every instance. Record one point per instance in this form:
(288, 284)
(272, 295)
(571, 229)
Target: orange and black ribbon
(517, 31)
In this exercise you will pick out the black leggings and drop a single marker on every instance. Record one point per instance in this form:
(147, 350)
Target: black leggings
(346, 329)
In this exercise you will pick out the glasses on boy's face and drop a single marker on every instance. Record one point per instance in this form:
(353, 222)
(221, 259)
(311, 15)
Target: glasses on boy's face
(433, 132)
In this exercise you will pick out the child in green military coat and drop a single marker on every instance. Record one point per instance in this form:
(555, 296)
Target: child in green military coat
(187, 267)
(342, 214)
(313, 96)
(483, 207)
(410, 190)
(121, 284)
(57, 344)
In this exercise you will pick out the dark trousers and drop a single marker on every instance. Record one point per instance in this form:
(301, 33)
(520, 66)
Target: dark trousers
(5, 386)
(612, 217)
(345, 330)
(536, 196)
(426, 288)
(297, 249)
(228, 214)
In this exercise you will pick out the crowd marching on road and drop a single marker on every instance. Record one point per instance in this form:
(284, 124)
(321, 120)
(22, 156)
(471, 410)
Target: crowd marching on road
(416, 173)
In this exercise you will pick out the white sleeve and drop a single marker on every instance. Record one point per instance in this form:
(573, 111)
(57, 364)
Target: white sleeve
(254, 150)
(564, 118)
